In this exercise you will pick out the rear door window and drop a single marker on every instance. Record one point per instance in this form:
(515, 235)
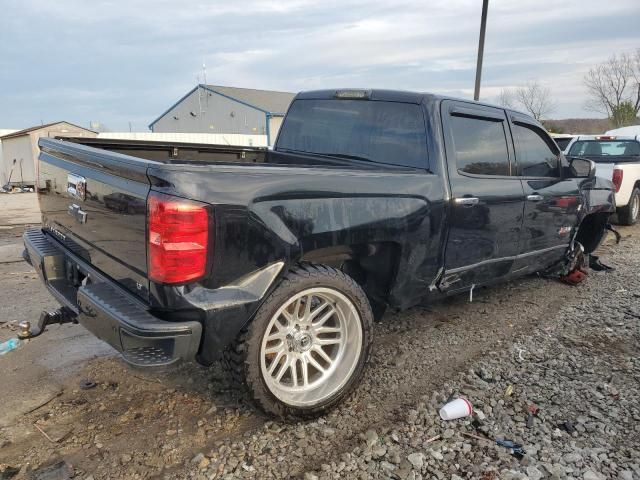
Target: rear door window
(536, 153)
(382, 132)
(480, 145)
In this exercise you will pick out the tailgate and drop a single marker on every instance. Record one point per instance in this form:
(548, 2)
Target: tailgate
(94, 202)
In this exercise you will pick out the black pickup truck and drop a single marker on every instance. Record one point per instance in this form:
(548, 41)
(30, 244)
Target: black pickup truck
(279, 260)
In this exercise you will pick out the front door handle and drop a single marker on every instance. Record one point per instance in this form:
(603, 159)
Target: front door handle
(535, 197)
(466, 201)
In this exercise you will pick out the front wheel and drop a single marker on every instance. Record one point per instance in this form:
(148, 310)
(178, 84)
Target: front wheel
(308, 344)
(628, 215)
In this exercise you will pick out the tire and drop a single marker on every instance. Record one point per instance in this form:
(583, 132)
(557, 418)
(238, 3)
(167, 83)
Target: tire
(628, 215)
(338, 322)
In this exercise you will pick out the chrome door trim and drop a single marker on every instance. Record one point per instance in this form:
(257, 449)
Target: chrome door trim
(502, 259)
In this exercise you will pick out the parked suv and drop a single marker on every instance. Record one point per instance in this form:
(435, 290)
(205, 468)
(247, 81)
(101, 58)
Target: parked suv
(279, 261)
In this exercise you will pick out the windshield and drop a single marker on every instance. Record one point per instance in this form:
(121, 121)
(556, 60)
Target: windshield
(605, 148)
(382, 132)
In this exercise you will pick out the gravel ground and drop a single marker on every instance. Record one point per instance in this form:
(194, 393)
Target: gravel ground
(579, 369)
(569, 351)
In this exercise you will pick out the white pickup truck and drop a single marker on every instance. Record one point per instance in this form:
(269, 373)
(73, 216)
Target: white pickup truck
(617, 159)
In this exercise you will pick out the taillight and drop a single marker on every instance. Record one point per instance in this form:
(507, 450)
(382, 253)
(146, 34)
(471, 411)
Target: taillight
(617, 178)
(178, 235)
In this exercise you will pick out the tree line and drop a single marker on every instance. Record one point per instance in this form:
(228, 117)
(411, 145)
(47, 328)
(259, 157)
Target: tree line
(613, 89)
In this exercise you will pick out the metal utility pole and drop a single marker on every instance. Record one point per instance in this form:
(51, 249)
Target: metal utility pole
(483, 28)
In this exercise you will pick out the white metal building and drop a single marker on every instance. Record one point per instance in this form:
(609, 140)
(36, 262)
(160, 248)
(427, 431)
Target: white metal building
(20, 150)
(226, 110)
(202, 138)
(3, 132)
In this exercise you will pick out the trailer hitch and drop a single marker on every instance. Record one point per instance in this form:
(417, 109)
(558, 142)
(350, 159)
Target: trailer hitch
(60, 316)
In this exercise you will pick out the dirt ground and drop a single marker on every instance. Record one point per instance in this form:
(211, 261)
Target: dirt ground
(153, 424)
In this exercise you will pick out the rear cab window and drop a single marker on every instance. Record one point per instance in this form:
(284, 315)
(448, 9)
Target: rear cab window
(382, 132)
(602, 150)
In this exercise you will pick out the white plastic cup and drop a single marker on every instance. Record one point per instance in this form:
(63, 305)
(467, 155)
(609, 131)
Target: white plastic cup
(458, 408)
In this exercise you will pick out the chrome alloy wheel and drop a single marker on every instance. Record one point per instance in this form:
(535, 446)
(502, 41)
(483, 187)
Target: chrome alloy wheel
(311, 346)
(635, 207)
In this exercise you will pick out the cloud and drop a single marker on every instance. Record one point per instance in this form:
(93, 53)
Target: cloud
(116, 61)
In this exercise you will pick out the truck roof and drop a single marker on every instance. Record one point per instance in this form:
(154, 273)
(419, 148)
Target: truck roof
(389, 96)
(605, 138)
(364, 93)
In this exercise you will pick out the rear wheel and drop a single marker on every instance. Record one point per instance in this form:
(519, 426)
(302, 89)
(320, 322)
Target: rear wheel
(628, 215)
(308, 344)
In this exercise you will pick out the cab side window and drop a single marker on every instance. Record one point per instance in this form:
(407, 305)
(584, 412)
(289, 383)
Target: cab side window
(535, 153)
(480, 145)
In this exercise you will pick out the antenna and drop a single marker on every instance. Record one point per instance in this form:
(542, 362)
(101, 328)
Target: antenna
(200, 91)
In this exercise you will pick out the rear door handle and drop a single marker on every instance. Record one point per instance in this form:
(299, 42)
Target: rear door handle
(466, 201)
(535, 198)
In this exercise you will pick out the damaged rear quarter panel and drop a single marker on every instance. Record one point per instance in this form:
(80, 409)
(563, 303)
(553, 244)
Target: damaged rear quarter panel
(266, 214)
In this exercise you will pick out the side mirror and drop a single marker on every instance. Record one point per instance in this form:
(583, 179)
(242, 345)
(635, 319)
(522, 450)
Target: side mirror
(582, 168)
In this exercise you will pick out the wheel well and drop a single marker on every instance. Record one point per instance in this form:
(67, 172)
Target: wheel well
(592, 231)
(372, 265)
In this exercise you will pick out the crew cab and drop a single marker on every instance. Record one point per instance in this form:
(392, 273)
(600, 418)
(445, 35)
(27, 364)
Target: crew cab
(617, 159)
(278, 261)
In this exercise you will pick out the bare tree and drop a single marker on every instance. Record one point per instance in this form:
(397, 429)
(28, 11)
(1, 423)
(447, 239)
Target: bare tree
(635, 72)
(613, 84)
(506, 98)
(534, 98)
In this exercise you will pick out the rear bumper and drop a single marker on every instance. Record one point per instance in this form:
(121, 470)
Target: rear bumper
(109, 312)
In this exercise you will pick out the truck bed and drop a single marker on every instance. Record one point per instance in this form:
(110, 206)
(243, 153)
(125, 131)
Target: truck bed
(176, 152)
(268, 205)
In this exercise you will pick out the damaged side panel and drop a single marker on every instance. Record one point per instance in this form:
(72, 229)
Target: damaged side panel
(368, 226)
(597, 196)
(598, 200)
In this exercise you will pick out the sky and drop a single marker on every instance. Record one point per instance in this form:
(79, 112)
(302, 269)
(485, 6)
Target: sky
(123, 62)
